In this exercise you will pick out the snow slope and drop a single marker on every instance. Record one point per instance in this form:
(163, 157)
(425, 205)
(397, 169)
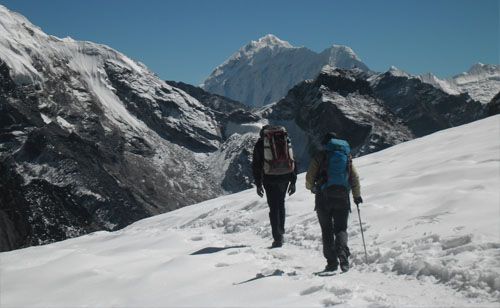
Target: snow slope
(431, 220)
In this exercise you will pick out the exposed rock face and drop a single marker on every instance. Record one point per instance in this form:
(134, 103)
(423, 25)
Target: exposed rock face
(232, 162)
(340, 101)
(481, 81)
(424, 108)
(224, 110)
(65, 172)
(92, 140)
(263, 71)
(371, 111)
(169, 112)
(218, 103)
(494, 106)
(239, 128)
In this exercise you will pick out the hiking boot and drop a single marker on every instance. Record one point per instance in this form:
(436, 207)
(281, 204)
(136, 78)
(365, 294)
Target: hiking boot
(331, 267)
(276, 244)
(344, 263)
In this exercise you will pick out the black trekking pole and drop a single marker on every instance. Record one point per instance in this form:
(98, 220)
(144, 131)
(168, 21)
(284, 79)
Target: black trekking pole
(362, 235)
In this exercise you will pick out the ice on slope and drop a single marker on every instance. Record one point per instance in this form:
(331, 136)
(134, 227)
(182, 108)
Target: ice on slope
(431, 220)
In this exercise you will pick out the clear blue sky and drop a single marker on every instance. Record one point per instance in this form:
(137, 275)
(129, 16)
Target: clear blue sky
(185, 40)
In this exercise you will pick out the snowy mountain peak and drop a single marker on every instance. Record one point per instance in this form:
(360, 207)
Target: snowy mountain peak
(394, 71)
(481, 81)
(268, 42)
(271, 40)
(481, 70)
(263, 71)
(10, 21)
(445, 85)
(344, 51)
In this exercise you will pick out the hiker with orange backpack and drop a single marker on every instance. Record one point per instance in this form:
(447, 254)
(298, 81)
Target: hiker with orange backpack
(330, 176)
(275, 172)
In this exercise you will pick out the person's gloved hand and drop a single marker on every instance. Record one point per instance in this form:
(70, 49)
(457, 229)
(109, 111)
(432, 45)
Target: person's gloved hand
(291, 189)
(358, 200)
(314, 189)
(260, 191)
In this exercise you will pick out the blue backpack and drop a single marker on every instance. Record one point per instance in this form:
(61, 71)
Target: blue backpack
(337, 164)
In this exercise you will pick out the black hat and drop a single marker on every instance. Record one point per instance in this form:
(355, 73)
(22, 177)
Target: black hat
(262, 130)
(327, 137)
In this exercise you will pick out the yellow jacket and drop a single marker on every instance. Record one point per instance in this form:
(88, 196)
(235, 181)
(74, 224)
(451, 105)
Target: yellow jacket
(315, 167)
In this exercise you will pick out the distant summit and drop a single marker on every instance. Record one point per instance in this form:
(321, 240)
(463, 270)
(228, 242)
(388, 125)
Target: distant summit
(394, 71)
(481, 82)
(263, 71)
(271, 41)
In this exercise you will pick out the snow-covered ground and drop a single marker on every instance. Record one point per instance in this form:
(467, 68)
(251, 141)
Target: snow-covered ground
(431, 220)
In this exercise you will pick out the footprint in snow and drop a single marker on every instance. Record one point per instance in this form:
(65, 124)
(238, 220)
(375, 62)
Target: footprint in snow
(221, 265)
(330, 302)
(377, 300)
(340, 296)
(280, 256)
(339, 291)
(197, 238)
(312, 290)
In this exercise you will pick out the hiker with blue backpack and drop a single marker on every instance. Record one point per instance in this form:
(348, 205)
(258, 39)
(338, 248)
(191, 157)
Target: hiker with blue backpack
(330, 176)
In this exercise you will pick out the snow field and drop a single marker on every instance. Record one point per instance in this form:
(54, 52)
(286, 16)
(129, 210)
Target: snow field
(431, 221)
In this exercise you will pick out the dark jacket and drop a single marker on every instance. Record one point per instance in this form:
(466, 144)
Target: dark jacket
(258, 168)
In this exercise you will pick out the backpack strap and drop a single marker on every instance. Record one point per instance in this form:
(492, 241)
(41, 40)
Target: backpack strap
(350, 169)
(322, 175)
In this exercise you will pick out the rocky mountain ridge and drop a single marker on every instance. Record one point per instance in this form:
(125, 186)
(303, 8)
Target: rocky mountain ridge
(481, 82)
(92, 140)
(422, 107)
(263, 71)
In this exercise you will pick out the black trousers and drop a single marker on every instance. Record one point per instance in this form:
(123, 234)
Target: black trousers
(275, 193)
(333, 207)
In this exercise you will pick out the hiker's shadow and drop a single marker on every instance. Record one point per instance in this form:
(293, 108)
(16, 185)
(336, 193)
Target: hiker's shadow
(277, 272)
(209, 250)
